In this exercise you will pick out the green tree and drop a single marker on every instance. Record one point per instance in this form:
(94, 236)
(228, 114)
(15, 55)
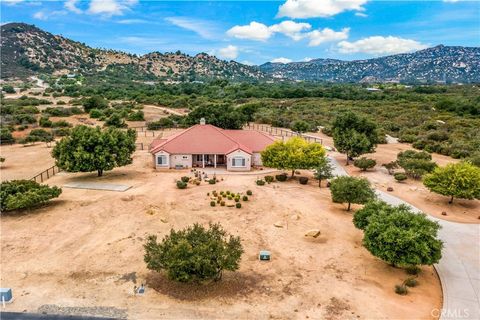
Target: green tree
(364, 163)
(22, 194)
(300, 126)
(39, 135)
(94, 102)
(194, 253)
(89, 149)
(354, 135)
(416, 163)
(351, 190)
(362, 216)
(401, 237)
(8, 89)
(223, 116)
(295, 153)
(5, 136)
(323, 171)
(116, 121)
(456, 180)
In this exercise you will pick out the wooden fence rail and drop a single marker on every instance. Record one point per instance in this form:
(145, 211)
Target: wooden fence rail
(44, 175)
(274, 131)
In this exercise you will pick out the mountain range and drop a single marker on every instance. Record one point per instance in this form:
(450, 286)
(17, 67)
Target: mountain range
(27, 50)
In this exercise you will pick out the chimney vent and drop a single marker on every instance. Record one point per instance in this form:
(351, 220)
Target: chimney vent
(202, 121)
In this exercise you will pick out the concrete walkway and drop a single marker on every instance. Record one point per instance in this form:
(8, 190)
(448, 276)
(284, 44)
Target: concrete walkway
(97, 186)
(459, 268)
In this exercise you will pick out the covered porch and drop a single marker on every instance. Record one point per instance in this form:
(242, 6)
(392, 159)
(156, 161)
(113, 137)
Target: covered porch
(209, 160)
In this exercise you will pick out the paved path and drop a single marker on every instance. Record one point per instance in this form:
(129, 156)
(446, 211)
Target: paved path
(97, 186)
(459, 268)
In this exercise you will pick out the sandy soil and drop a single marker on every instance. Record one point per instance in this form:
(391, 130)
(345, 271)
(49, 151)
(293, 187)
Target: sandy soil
(24, 162)
(85, 249)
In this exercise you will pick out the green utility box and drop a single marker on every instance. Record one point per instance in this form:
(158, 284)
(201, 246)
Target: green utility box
(264, 255)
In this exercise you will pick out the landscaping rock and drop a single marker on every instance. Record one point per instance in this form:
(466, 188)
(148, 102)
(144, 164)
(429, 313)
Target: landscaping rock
(314, 233)
(389, 189)
(295, 217)
(278, 224)
(164, 220)
(444, 213)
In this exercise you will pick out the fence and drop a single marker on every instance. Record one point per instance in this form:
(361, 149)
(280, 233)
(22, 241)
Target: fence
(274, 131)
(139, 146)
(44, 175)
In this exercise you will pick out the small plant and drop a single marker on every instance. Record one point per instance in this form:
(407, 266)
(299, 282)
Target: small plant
(222, 203)
(364, 163)
(218, 200)
(249, 192)
(227, 192)
(219, 197)
(391, 166)
(212, 203)
(281, 177)
(237, 199)
(245, 198)
(185, 179)
(197, 182)
(401, 289)
(208, 194)
(229, 197)
(260, 182)
(238, 205)
(181, 184)
(400, 176)
(413, 270)
(269, 179)
(212, 181)
(411, 282)
(303, 180)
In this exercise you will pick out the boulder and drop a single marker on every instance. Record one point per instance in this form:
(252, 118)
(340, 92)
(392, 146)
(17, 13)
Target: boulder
(389, 189)
(295, 217)
(278, 224)
(314, 233)
(444, 213)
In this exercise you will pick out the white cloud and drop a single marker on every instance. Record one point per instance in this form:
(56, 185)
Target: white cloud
(317, 37)
(133, 21)
(44, 15)
(110, 8)
(307, 59)
(253, 31)
(203, 28)
(318, 8)
(291, 29)
(248, 63)
(378, 45)
(71, 5)
(229, 52)
(361, 14)
(40, 15)
(451, 1)
(12, 2)
(281, 60)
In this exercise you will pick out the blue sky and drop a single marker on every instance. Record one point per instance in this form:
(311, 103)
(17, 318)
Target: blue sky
(257, 31)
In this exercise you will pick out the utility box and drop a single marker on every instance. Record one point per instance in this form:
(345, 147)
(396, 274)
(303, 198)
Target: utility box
(6, 294)
(264, 255)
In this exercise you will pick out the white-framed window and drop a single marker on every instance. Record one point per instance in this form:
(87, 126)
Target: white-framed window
(162, 160)
(238, 162)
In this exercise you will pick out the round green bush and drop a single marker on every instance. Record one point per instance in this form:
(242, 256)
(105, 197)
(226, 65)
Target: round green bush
(400, 176)
(185, 179)
(245, 198)
(281, 177)
(181, 184)
(212, 203)
(249, 192)
(238, 205)
(269, 179)
(222, 203)
(260, 182)
(237, 199)
(303, 180)
(212, 181)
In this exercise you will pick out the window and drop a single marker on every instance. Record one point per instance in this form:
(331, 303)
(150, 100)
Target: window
(238, 162)
(185, 157)
(162, 160)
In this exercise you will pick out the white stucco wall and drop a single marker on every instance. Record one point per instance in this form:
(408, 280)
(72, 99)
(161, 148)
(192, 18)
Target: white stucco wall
(184, 160)
(256, 159)
(239, 153)
(167, 155)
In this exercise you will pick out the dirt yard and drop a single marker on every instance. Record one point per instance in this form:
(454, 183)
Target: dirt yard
(85, 250)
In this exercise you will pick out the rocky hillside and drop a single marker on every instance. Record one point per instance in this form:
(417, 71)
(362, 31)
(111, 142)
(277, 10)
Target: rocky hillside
(26, 49)
(437, 64)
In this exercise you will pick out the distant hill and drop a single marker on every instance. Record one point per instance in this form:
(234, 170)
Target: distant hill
(437, 64)
(26, 50)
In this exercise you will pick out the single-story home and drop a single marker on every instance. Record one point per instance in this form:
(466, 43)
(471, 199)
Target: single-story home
(204, 145)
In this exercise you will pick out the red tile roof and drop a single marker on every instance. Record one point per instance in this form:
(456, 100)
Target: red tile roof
(208, 139)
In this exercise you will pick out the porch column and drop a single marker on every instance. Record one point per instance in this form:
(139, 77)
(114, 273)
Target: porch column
(214, 160)
(203, 161)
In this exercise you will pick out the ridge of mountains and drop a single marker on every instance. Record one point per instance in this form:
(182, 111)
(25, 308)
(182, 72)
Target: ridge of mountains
(27, 50)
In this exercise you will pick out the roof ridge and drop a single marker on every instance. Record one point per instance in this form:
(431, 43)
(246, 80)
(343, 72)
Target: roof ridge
(174, 137)
(239, 145)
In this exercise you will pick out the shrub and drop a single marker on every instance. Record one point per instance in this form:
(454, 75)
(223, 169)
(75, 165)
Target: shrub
(411, 282)
(413, 270)
(185, 179)
(222, 203)
(61, 124)
(415, 163)
(249, 192)
(390, 166)
(401, 289)
(400, 176)
(269, 179)
(245, 198)
(281, 177)
(237, 199)
(351, 190)
(212, 203)
(303, 180)
(212, 181)
(22, 194)
(238, 205)
(364, 163)
(194, 254)
(181, 184)
(96, 113)
(45, 122)
(260, 182)
(136, 116)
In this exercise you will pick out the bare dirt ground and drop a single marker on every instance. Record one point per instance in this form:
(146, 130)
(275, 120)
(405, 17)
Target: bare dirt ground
(85, 250)
(412, 191)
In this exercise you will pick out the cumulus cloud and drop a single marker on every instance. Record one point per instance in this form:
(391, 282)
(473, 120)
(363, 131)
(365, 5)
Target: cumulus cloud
(253, 31)
(317, 37)
(281, 60)
(71, 5)
(291, 29)
(44, 15)
(40, 15)
(361, 14)
(378, 45)
(110, 7)
(318, 9)
(229, 52)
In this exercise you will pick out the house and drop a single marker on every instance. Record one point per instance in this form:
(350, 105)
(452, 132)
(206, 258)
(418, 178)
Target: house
(204, 145)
